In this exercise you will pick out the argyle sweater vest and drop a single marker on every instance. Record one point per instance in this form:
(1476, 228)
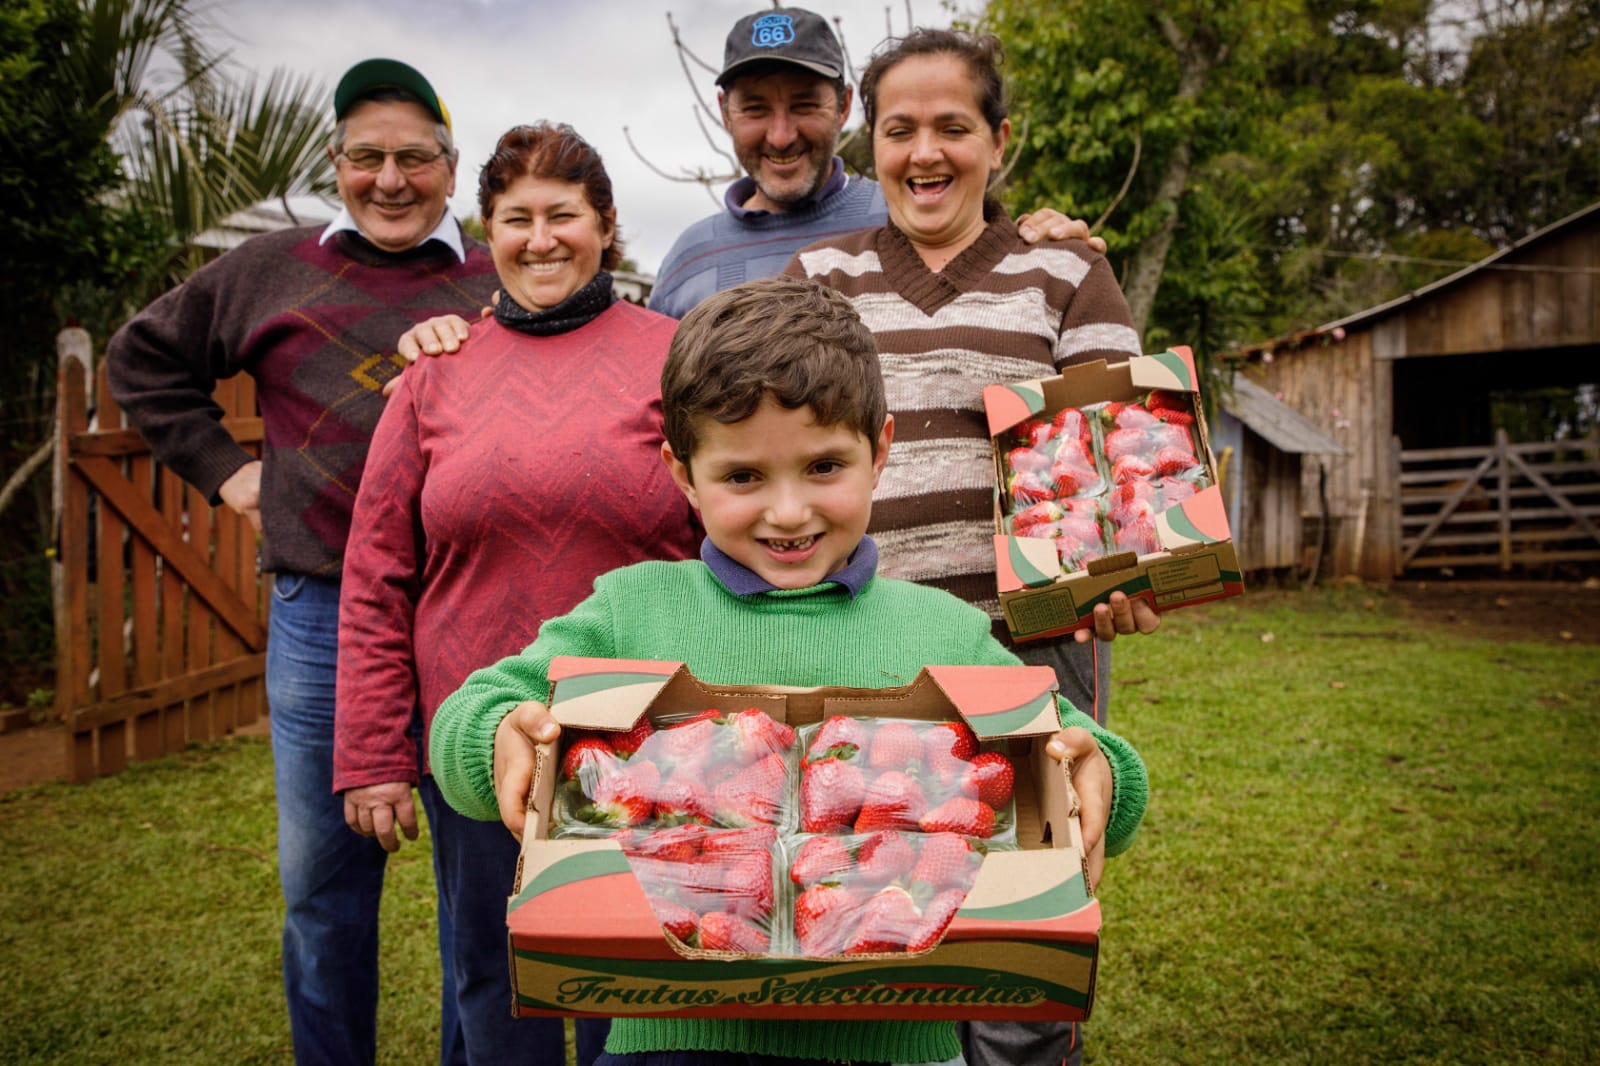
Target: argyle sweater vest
(316, 325)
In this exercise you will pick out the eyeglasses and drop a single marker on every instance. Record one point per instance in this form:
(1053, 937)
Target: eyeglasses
(371, 159)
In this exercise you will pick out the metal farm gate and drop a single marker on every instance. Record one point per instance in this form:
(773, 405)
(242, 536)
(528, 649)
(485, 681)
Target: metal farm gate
(1504, 505)
(160, 613)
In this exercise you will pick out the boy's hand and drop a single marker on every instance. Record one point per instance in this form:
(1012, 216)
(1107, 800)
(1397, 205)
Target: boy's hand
(516, 741)
(1049, 224)
(443, 335)
(375, 811)
(1122, 615)
(1091, 778)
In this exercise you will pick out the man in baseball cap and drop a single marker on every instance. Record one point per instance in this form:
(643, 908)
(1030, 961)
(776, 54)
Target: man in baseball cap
(372, 76)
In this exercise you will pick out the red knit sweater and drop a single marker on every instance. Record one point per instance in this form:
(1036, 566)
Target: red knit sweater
(501, 482)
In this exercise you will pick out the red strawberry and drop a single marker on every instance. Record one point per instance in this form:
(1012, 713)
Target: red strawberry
(732, 843)
(889, 920)
(838, 738)
(627, 797)
(1174, 490)
(990, 779)
(1171, 461)
(893, 801)
(754, 794)
(1174, 418)
(747, 888)
(721, 931)
(960, 814)
(830, 795)
(1034, 432)
(824, 914)
(584, 751)
(675, 918)
(698, 885)
(683, 798)
(1070, 422)
(757, 734)
(680, 843)
(1134, 416)
(883, 857)
(627, 743)
(1123, 442)
(1069, 479)
(1027, 488)
(686, 740)
(1131, 467)
(895, 746)
(945, 861)
(955, 737)
(936, 919)
(1027, 460)
(819, 859)
(1139, 536)
(1037, 515)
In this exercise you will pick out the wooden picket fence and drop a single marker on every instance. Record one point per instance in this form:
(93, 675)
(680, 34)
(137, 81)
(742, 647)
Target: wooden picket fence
(1505, 505)
(160, 611)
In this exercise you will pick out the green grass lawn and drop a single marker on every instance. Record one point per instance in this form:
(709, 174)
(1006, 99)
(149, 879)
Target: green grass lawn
(1367, 842)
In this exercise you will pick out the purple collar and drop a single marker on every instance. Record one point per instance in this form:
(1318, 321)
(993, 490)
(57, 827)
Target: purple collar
(745, 187)
(742, 581)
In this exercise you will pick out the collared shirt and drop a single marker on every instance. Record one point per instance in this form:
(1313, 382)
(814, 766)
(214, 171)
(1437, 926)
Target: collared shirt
(743, 581)
(745, 187)
(446, 232)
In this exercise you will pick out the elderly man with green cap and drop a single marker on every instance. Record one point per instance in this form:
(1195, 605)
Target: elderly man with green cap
(312, 314)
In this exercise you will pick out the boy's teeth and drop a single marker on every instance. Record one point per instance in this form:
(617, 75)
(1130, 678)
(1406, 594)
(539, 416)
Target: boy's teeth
(791, 545)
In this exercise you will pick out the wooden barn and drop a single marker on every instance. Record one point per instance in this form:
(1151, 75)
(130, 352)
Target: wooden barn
(1467, 410)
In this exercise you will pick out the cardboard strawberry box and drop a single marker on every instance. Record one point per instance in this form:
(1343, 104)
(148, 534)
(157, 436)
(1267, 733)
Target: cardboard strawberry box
(1023, 944)
(1063, 542)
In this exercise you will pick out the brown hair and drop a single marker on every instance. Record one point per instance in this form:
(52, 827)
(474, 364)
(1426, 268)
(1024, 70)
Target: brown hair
(555, 151)
(981, 53)
(792, 340)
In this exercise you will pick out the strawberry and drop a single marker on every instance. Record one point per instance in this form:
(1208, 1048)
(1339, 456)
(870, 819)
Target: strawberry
(586, 750)
(936, 919)
(819, 859)
(627, 743)
(954, 736)
(893, 801)
(1174, 490)
(1027, 460)
(747, 887)
(945, 861)
(990, 779)
(1174, 418)
(823, 917)
(627, 797)
(1034, 432)
(757, 734)
(960, 814)
(683, 798)
(895, 746)
(1069, 479)
(830, 795)
(1134, 416)
(732, 843)
(1170, 460)
(1028, 488)
(686, 739)
(838, 738)
(698, 884)
(1037, 515)
(675, 918)
(1123, 442)
(1070, 422)
(674, 844)
(1139, 536)
(721, 931)
(1131, 467)
(888, 922)
(883, 857)
(754, 794)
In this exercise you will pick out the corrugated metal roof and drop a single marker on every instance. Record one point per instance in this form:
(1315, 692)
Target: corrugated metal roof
(1280, 424)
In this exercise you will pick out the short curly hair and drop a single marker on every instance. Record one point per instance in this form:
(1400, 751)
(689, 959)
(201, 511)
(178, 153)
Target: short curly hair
(794, 341)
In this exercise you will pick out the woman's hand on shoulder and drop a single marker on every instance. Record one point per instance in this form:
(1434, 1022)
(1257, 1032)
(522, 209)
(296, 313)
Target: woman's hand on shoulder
(1092, 779)
(1049, 224)
(516, 746)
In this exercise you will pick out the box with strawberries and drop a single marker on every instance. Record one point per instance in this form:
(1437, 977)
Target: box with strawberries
(832, 853)
(1106, 482)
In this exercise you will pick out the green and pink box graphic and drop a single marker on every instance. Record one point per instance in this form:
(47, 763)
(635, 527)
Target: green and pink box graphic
(1023, 946)
(1196, 562)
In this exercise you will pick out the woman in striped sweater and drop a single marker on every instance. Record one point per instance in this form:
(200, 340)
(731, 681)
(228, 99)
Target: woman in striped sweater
(956, 300)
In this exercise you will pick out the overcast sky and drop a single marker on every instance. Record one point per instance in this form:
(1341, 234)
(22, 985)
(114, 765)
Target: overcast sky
(600, 65)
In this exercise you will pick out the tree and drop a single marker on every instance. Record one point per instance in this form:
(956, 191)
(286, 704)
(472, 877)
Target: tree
(106, 174)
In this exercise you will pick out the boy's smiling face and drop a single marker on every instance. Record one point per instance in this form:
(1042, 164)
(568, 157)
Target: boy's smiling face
(787, 498)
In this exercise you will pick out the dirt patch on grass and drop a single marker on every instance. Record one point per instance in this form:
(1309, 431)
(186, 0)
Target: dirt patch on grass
(1544, 612)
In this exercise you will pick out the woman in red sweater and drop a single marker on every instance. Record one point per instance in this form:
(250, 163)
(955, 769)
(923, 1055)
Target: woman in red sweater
(500, 484)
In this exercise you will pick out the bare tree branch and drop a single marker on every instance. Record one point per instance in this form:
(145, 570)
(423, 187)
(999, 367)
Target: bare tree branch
(1127, 183)
(684, 56)
(29, 467)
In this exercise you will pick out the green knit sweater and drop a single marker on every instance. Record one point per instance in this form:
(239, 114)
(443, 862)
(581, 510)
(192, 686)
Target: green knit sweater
(680, 612)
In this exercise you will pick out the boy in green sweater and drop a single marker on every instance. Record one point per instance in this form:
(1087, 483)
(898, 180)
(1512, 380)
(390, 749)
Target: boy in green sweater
(777, 430)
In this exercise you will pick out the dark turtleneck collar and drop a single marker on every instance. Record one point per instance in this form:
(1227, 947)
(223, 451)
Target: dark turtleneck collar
(579, 309)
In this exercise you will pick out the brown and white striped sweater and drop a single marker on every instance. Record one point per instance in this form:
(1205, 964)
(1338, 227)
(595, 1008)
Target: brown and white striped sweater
(1000, 311)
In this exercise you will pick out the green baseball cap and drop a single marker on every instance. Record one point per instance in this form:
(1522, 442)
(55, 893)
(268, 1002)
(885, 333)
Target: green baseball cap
(370, 75)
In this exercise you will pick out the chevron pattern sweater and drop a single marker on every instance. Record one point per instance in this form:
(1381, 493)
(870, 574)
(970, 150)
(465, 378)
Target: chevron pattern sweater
(808, 637)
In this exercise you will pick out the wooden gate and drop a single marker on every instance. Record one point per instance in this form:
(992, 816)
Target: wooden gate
(1505, 505)
(160, 611)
